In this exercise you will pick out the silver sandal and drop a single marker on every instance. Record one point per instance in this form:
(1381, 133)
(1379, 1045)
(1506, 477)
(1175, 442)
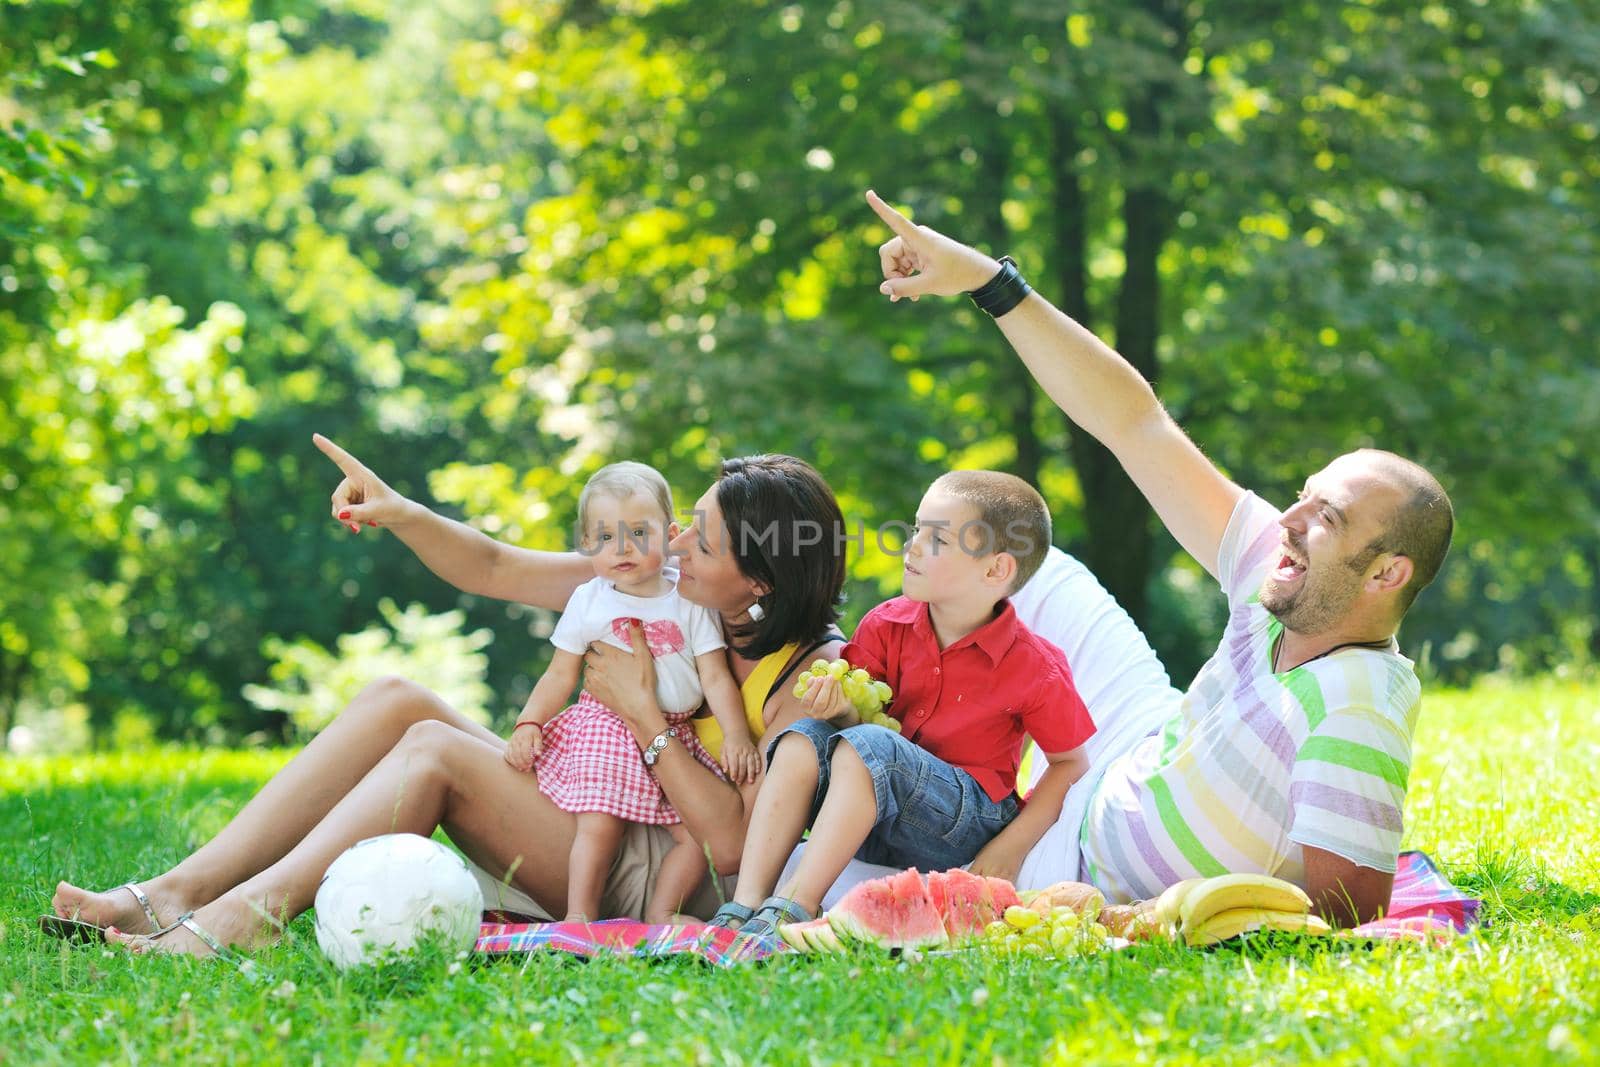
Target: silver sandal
(144, 902)
(78, 930)
(223, 952)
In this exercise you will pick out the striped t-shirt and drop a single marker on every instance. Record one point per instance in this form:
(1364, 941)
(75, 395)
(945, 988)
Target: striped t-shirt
(1255, 765)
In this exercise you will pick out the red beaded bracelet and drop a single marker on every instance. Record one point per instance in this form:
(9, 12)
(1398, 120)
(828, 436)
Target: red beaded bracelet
(527, 722)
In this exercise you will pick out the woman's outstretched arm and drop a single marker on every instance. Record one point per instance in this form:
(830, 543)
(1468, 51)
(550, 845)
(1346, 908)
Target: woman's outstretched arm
(468, 559)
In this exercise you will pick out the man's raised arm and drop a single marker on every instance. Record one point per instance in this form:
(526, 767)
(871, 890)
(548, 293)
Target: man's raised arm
(1091, 383)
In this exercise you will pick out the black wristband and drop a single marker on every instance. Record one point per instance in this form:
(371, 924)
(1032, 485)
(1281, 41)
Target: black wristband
(1002, 292)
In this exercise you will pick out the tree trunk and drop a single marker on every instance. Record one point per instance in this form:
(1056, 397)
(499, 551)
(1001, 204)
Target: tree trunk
(1592, 558)
(1120, 539)
(11, 671)
(1069, 258)
(1116, 516)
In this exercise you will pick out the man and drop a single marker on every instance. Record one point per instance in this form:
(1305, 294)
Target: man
(1290, 752)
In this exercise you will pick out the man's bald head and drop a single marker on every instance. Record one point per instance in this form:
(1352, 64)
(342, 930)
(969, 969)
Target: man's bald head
(1420, 524)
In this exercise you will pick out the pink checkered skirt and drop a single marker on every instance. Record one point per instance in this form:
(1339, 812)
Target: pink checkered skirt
(591, 762)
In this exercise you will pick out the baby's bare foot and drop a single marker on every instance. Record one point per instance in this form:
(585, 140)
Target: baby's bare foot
(115, 907)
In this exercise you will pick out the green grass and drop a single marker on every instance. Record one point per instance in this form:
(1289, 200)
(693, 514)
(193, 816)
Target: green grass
(1504, 793)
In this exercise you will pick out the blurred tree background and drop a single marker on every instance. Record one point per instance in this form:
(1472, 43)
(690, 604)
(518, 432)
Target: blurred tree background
(490, 246)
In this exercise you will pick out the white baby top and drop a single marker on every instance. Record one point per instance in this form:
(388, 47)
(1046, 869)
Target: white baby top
(677, 631)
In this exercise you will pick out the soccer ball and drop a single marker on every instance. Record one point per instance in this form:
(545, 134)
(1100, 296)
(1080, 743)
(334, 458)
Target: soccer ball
(384, 894)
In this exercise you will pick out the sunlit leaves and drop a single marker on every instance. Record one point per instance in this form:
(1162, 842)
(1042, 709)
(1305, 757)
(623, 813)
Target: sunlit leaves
(312, 683)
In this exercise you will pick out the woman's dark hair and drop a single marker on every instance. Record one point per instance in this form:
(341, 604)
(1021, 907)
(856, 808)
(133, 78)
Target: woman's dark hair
(787, 533)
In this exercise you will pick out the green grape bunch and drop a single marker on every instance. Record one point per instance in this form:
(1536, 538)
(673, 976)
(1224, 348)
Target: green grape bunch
(1058, 932)
(865, 694)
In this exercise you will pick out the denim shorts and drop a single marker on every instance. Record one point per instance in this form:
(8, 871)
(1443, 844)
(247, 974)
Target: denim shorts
(930, 815)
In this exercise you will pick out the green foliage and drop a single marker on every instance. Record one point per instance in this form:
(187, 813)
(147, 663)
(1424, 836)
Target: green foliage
(92, 461)
(491, 246)
(42, 156)
(1502, 790)
(1310, 224)
(312, 684)
(105, 396)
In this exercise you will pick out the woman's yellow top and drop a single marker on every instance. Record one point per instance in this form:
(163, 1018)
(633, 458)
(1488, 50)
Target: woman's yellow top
(755, 690)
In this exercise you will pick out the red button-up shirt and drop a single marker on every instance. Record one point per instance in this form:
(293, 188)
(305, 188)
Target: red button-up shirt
(970, 704)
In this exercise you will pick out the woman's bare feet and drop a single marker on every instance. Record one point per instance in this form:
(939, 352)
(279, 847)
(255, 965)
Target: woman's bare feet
(235, 922)
(118, 907)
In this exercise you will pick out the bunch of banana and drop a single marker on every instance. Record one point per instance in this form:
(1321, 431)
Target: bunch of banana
(1204, 911)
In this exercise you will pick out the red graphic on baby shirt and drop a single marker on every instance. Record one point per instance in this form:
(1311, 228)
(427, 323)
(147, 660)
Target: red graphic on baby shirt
(662, 635)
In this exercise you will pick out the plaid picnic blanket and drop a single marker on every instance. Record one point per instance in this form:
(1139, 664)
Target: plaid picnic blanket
(625, 937)
(1424, 907)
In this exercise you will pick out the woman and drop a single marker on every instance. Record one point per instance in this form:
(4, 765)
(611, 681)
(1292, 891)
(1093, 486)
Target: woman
(398, 759)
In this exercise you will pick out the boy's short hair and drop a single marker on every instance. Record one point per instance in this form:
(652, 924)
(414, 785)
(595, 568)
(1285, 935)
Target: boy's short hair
(622, 480)
(1012, 518)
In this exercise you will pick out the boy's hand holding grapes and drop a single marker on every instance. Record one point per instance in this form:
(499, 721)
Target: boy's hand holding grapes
(825, 699)
(856, 689)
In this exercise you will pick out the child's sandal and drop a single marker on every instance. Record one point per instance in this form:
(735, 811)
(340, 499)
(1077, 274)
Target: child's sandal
(773, 913)
(731, 916)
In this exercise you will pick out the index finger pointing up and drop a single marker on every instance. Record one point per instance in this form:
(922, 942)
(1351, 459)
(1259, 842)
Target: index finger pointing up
(891, 218)
(351, 466)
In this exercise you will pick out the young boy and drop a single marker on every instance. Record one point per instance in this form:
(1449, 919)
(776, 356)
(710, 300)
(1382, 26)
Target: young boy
(969, 681)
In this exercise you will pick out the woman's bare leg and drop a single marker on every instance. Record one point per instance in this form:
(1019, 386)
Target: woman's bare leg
(437, 775)
(287, 807)
(599, 835)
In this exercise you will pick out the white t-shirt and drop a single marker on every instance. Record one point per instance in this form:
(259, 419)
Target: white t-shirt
(677, 631)
(1123, 683)
(1117, 674)
(1255, 765)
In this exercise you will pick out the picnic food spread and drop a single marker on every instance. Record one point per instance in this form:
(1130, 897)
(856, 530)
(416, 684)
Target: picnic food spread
(957, 908)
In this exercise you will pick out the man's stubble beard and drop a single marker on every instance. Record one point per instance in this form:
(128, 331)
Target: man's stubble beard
(1312, 608)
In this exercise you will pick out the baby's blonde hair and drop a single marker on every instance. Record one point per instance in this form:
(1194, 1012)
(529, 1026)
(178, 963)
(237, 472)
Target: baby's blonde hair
(622, 480)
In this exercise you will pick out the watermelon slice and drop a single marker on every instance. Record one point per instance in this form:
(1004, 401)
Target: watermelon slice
(891, 912)
(964, 901)
(820, 936)
(939, 892)
(814, 935)
(1004, 893)
(968, 902)
(794, 937)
